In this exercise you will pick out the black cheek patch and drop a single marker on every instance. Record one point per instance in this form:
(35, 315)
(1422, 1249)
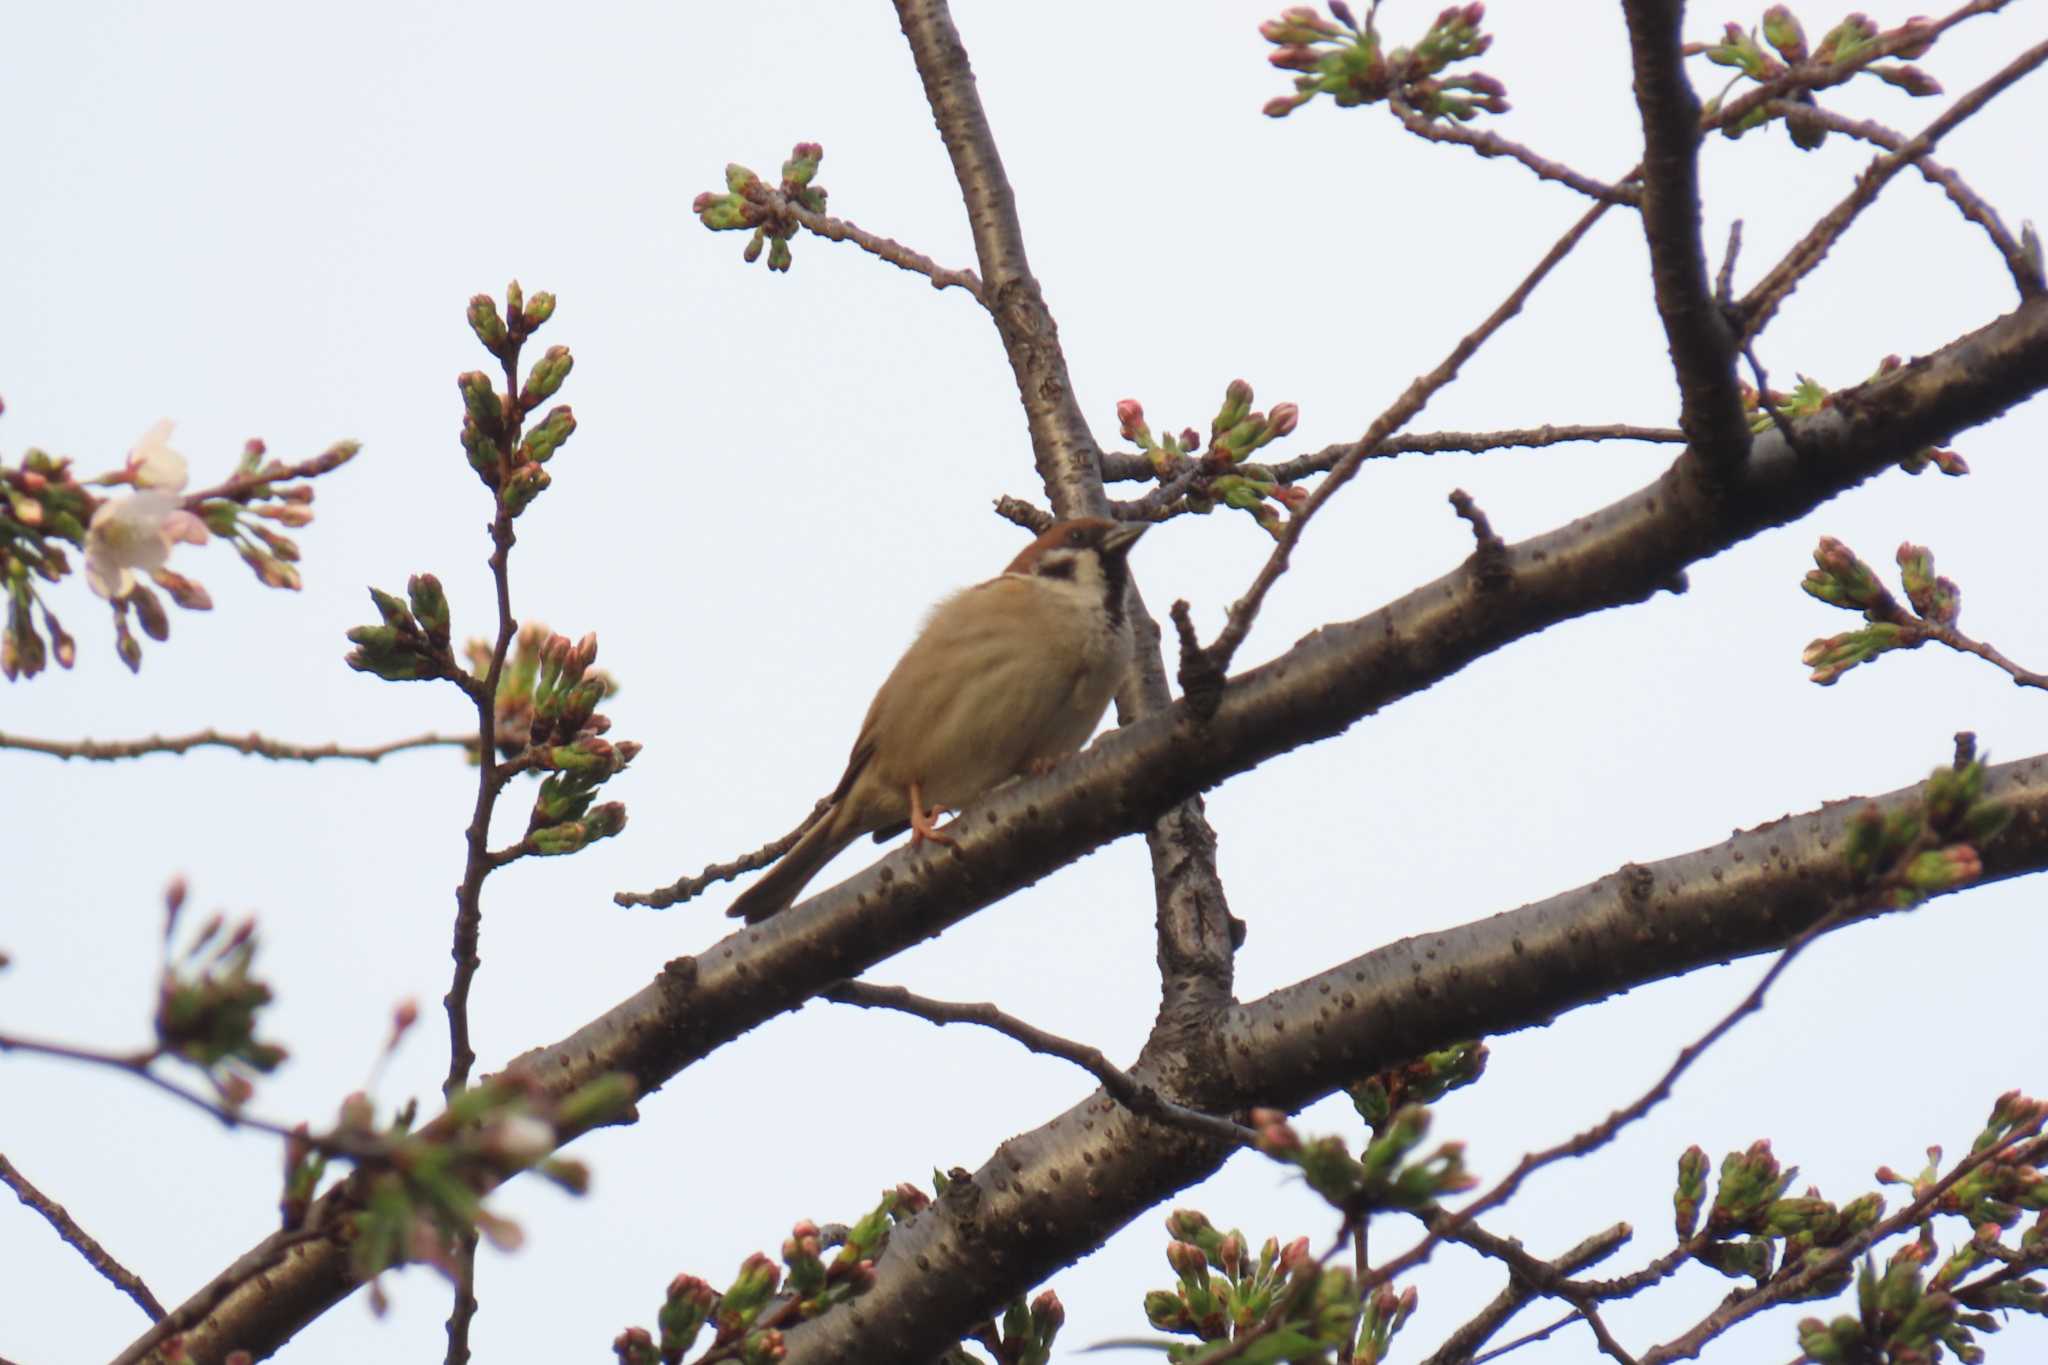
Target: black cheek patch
(1057, 568)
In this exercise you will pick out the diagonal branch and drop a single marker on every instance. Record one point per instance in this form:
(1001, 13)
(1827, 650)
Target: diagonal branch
(1068, 462)
(2025, 272)
(1758, 306)
(1195, 944)
(1309, 1038)
(1647, 922)
(1131, 1093)
(1215, 658)
(1491, 144)
(1702, 343)
(96, 1256)
(1459, 1346)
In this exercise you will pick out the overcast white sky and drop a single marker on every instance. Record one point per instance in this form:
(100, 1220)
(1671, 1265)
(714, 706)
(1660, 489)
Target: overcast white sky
(265, 220)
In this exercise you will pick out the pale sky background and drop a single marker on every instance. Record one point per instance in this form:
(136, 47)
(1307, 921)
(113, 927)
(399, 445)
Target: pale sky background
(265, 220)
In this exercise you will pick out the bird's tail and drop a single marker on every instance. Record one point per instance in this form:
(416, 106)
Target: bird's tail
(783, 883)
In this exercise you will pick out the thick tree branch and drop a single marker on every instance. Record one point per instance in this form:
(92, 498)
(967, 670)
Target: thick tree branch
(1025, 1215)
(1052, 1194)
(1702, 344)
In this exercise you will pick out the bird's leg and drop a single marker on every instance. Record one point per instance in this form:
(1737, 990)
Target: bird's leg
(923, 822)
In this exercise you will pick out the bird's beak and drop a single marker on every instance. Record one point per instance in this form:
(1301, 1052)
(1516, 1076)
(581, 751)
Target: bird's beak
(1120, 538)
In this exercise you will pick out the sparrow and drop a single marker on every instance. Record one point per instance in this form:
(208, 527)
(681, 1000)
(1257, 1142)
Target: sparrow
(1006, 677)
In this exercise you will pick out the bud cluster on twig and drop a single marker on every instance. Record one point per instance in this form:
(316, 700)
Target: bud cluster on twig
(1197, 480)
(751, 203)
(746, 1320)
(1280, 1297)
(1933, 606)
(125, 537)
(1849, 48)
(1346, 61)
(507, 455)
(420, 1195)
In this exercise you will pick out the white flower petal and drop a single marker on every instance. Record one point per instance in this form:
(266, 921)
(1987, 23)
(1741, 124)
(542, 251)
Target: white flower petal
(153, 463)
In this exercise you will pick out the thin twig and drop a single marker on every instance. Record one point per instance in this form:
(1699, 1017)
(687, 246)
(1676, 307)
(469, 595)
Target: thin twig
(1124, 466)
(1029, 516)
(1526, 1339)
(1126, 1089)
(1217, 655)
(691, 887)
(76, 1237)
(1160, 503)
(1724, 282)
(107, 750)
(2026, 274)
(1764, 399)
(1457, 1348)
(1955, 639)
(887, 248)
(242, 487)
(477, 861)
(1542, 1275)
(1764, 298)
(1489, 144)
(140, 1065)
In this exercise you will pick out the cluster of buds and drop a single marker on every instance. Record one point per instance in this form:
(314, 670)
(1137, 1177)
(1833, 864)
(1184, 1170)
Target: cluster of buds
(1999, 1191)
(207, 1003)
(1841, 579)
(1923, 849)
(1751, 1217)
(1905, 1315)
(1424, 1080)
(507, 455)
(1339, 58)
(421, 1189)
(1382, 1176)
(1223, 1291)
(1027, 1331)
(547, 711)
(128, 536)
(44, 505)
(1849, 47)
(1223, 474)
(746, 1319)
(412, 642)
(1899, 1318)
(749, 202)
